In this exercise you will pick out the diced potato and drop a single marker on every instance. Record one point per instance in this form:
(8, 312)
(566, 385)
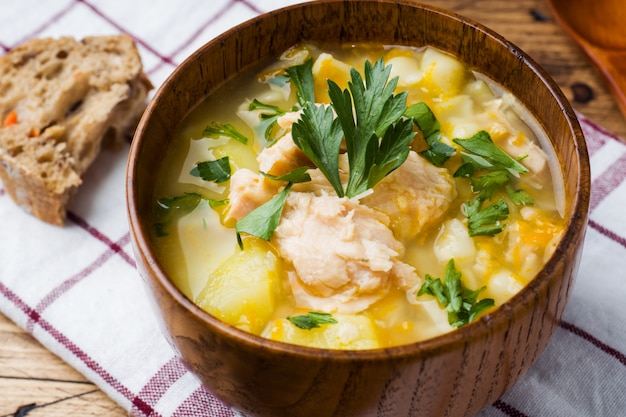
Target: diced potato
(407, 69)
(243, 290)
(454, 242)
(327, 67)
(479, 91)
(502, 286)
(193, 231)
(446, 74)
(350, 332)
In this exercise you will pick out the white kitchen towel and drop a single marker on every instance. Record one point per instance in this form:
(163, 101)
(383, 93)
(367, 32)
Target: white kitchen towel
(75, 288)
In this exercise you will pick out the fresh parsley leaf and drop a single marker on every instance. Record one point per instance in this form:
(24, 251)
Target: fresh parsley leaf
(311, 320)
(218, 170)
(489, 183)
(481, 145)
(263, 220)
(298, 175)
(215, 130)
(218, 203)
(484, 155)
(461, 303)
(269, 117)
(487, 221)
(184, 202)
(369, 147)
(318, 134)
(519, 197)
(393, 151)
(302, 77)
(425, 120)
(170, 207)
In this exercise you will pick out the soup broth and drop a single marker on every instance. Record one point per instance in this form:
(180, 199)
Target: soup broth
(457, 221)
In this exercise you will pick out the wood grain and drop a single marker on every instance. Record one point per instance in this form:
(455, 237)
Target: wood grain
(36, 383)
(29, 374)
(604, 42)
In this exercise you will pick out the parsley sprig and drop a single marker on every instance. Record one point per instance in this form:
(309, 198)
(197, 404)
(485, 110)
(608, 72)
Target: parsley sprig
(216, 130)
(423, 117)
(490, 170)
(377, 137)
(368, 115)
(461, 303)
(311, 320)
(268, 116)
(217, 170)
(168, 209)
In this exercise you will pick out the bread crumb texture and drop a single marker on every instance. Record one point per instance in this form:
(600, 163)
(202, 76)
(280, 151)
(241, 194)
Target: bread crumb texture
(59, 100)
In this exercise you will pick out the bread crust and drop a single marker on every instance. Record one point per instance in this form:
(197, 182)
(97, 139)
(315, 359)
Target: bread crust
(60, 99)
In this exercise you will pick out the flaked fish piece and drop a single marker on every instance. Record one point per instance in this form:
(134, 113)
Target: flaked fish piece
(344, 256)
(415, 196)
(248, 190)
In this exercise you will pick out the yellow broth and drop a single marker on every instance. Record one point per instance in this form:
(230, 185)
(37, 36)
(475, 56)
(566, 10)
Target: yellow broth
(254, 289)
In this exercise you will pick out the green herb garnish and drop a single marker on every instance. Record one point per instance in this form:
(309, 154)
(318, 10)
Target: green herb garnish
(218, 170)
(318, 134)
(425, 120)
(461, 303)
(269, 117)
(377, 137)
(311, 320)
(519, 197)
(302, 78)
(376, 108)
(215, 130)
(170, 207)
(485, 221)
(482, 146)
(263, 220)
(298, 175)
(499, 170)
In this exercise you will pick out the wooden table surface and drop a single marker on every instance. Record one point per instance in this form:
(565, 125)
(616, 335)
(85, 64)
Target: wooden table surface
(34, 382)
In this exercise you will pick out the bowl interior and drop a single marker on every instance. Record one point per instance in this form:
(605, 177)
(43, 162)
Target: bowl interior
(393, 23)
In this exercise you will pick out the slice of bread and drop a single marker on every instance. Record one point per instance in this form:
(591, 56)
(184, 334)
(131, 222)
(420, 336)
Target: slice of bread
(60, 99)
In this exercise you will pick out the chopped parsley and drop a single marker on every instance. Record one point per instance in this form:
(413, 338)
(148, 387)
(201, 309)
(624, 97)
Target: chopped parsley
(298, 175)
(269, 118)
(215, 130)
(263, 220)
(490, 171)
(484, 154)
(301, 77)
(168, 208)
(368, 116)
(218, 170)
(311, 320)
(461, 303)
(425, 120)
(485, 221)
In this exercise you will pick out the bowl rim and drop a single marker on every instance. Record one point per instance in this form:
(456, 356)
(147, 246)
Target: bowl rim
(479, 328)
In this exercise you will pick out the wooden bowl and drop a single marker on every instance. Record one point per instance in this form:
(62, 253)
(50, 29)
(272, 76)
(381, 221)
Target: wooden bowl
(456, 374)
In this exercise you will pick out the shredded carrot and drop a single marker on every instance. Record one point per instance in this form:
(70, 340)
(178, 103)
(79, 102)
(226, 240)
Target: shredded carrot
(34, 132)
(10, 119)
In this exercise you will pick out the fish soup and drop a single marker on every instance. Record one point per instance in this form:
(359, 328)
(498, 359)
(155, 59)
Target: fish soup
(357, 197)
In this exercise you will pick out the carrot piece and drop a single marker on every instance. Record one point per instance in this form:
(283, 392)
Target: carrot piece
(10, 119)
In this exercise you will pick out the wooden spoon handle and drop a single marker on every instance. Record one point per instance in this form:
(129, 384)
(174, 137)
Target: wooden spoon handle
(612, 64)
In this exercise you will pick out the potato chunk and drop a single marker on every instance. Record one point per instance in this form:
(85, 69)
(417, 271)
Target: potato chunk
(350, 332)
(242, 291)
